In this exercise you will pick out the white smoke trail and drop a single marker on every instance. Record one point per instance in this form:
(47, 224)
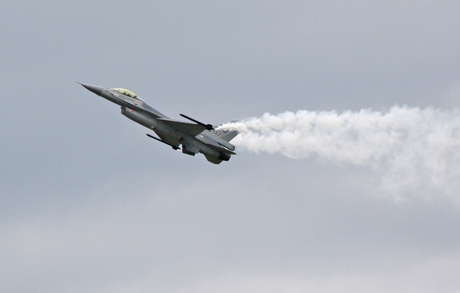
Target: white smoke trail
(412, 148)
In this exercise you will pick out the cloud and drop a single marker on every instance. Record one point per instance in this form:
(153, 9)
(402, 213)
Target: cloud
(428, 276)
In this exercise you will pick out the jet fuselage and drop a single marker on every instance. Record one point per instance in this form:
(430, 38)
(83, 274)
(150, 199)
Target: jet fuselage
(194, 138)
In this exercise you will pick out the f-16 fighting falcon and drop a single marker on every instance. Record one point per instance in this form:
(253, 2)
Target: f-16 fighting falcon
(195, 137)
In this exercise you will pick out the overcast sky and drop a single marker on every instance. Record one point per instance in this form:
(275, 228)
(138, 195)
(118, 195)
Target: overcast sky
(88, 203)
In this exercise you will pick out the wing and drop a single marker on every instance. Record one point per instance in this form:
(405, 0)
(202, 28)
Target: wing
(200, 132)
(190, 128)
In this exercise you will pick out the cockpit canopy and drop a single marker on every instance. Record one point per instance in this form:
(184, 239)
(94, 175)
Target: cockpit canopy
(126, 92)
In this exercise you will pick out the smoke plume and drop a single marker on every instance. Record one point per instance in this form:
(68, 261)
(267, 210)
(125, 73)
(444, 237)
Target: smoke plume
(412, 149)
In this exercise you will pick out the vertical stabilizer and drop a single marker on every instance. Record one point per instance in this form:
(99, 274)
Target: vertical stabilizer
(227, 135)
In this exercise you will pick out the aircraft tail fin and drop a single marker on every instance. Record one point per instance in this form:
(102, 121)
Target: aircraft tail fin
(227, 135)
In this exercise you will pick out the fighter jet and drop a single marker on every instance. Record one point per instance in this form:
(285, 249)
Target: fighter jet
(196, 137)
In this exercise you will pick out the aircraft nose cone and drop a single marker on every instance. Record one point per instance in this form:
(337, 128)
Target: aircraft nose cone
(94, 88)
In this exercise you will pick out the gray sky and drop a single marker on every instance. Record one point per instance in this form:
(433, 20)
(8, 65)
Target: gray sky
(89, 204)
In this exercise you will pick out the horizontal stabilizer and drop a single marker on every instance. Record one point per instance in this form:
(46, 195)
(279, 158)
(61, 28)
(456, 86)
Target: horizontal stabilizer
(216, 142)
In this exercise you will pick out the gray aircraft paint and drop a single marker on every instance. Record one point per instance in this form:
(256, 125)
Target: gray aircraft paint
(194, 137)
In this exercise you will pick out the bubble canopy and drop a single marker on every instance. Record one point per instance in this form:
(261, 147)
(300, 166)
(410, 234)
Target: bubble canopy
(126, 92)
